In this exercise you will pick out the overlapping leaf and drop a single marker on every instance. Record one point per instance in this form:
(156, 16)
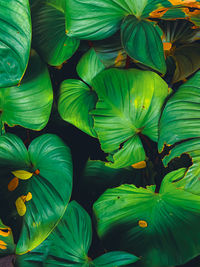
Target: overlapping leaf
(161, 227)
(129, 104)
(77, 99)
(15, 40)
(29, 104)
(181, 116)
(69, 243)
(41, 199)
(7, 245)
(142, 41)
(191, 181)
(49, 36)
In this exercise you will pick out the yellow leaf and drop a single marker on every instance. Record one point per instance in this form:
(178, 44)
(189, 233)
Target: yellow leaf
(139, 165)
(21, 207)
(23, 175)
(5, 231)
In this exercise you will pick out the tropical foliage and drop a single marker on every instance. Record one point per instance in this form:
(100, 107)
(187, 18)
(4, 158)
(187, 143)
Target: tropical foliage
(100, 133)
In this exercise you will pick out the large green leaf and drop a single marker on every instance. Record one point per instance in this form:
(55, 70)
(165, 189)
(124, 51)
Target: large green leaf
(181, 116)
(99, 19)
(69, 243)
(191, 181)
(161, 227)
(28, 105)
(75, 102)
(43, 197)
(49, 37)
(7, 245)
(15, 40)
(142, 41)
(89, 66)
(129, 104)
(187, 59)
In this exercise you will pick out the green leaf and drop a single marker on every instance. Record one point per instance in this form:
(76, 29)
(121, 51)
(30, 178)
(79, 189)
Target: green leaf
(49, 37)
(100, 19)
(89, 66)
(111, 52)
(142, 41)
(15, 40)
(191, 181)
(156, 226)
(7, 245)
(181, 115)
(69, 243)
(115, 258)
(187, 59)
(129, 104)
(75, 102)
(43, 198)
(36, 94)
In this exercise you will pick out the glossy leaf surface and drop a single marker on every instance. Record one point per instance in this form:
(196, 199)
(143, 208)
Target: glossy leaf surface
(28, 105)
(89, 66)
(181, 116)
(69, 243)
(161, 227)
(142, 42)
(75, 102)
(49, 37)
(99, 19)
(111, 52)
(43, 198)
(129, 103)
(15, 40)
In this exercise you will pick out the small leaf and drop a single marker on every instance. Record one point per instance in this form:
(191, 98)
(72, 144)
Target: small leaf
(21, 174)
(75, 102)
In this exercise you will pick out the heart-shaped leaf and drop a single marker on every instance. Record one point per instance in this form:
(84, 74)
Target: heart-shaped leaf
(43, 198)
(36, 94)
(69, 243)
(76, 98)
(129, 104)
(49, 36)
(15, 40)
(156, 226)
(142, 41)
